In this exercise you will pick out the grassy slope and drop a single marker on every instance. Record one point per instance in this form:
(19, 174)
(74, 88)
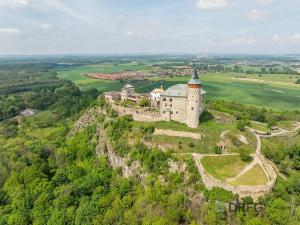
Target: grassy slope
(251, 139)
(210, 130)
(260, 126)
(281, 142)
(286, 125)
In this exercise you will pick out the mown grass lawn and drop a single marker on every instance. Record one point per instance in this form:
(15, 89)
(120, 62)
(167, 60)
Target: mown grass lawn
(222, 167)
(255, 176)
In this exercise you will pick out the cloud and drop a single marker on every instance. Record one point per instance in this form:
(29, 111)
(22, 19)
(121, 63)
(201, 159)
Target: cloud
(265, 2)
(7, 30)
(13, 3)
(130, 33)
(255, 14)
(67, 10)
(244, 40)
(276, 38)
(46, 26)
(294, 37)
(154, 22)
(212, 4)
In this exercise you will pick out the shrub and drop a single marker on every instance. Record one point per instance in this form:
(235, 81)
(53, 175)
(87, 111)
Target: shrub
(235, 141)
(245, 154)
(206, 116)
(272, 123)
(191, 145)
(218, 150)
(147, 129)
(242, 124)
(144, 102)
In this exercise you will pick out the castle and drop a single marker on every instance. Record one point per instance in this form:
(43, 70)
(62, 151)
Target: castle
(181, 102)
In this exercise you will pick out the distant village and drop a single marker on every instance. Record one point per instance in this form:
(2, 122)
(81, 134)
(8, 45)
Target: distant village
(142, 75)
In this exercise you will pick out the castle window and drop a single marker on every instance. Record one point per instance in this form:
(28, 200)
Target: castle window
(192, 108)
(176, 112)
(166, 104)
(171, 112)
(170, 105)
(164, 99)
(164, 112)
(171, 99)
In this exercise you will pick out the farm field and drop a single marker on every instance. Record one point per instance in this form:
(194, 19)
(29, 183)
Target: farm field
(272, 91)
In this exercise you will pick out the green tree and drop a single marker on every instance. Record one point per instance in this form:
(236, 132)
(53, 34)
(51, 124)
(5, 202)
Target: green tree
(242, 124)
(144, 102)
(278, 212)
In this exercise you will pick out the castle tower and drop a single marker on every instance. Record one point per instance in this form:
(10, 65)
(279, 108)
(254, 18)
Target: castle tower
(195, 101)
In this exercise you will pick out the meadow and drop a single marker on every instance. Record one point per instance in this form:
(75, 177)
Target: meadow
(253, 177)
(272, 91)
(224, 166)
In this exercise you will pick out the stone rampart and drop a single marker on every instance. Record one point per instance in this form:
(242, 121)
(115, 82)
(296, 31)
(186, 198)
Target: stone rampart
(177, 133)
(138, 114)
(254, 191)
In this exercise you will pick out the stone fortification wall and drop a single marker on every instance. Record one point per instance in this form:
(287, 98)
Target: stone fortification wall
(138, 114)
(177, 133)
(254, 191)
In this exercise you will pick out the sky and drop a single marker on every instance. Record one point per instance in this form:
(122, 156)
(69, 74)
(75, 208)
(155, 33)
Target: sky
(152, 26)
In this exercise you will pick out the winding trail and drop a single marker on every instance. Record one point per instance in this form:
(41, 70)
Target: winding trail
(268, 167)
(243, 171)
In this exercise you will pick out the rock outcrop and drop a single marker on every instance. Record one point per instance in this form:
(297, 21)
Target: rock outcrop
(86, 119)
(129, 168)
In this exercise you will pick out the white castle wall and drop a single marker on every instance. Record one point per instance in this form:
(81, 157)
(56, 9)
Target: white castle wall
(175, 109)
(193, 107)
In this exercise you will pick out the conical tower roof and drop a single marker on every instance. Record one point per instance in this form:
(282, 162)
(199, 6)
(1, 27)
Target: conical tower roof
(195, 75)
(195, 78)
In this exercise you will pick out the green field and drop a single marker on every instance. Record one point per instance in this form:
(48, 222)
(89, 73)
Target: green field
(276, 91)
(252, 177)
(223, 167)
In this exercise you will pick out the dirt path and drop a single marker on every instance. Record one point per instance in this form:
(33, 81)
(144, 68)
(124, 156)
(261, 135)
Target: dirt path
(222, 136)
(200, 156)
(242, 172)
(254, 191)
